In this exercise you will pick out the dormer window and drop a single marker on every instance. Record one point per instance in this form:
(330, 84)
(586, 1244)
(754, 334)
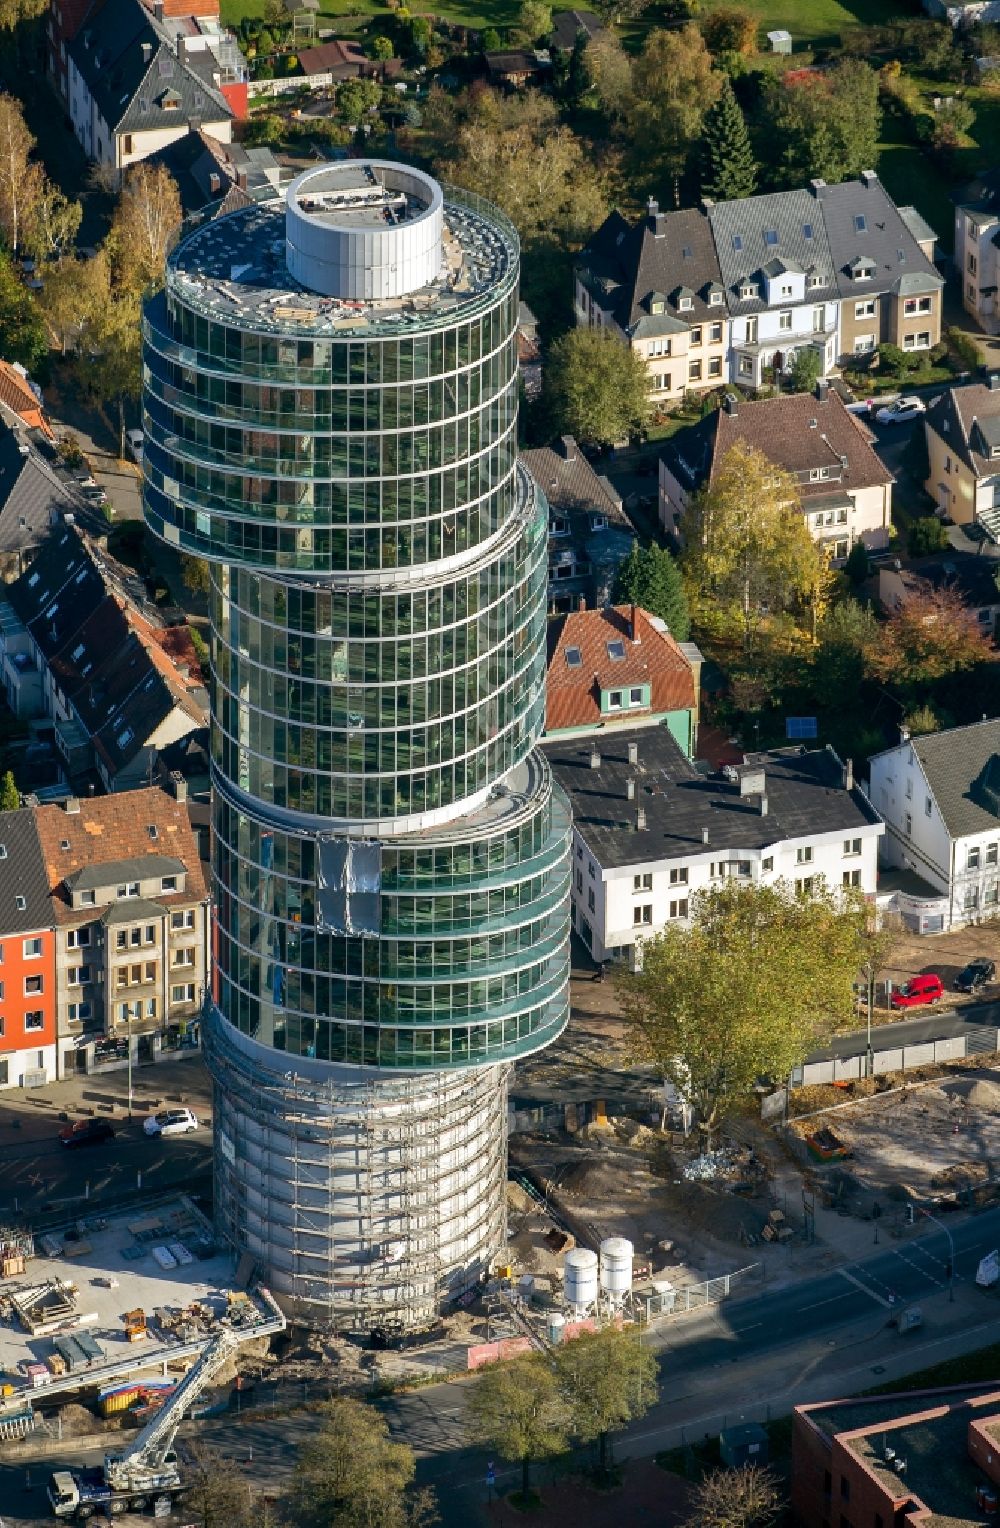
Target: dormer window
(995, 451)
(685, 304)
(714, 298)
(747, 290)
(657, 304)
(862, 269)
(814, 281)
(818, 474)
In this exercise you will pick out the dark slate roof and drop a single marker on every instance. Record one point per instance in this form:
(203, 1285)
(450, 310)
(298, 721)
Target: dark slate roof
(885, 239)
(739, 228)
(22, 874)
(57, 591)
(140, 867)
(962, 768)
(805, 795)
(566, 25)
(974, 578)
(569, 482)
(966, 418)
(666, 254)
(30, 494)
(129, 66)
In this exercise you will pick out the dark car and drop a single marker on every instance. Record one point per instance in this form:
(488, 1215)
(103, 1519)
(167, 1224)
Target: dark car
(978, 973)
(87, 1132)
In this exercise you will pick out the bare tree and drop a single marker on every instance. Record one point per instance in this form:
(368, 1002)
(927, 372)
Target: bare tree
(22, 180)
(746, 1498)
(145, 221)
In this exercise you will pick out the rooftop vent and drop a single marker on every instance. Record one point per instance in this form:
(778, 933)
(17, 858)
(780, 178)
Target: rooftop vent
(994, 381)
(595, 759)
(71, 805)
(731, 404)
(633, 753)
(704, 835)
(630, 790)
(640, 820)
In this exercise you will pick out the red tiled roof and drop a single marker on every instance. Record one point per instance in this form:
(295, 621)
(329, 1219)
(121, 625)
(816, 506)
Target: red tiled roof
(573, 698)
(16, 395)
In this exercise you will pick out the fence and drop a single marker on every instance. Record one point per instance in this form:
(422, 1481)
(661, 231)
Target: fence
(288, 86)
(673, 1302)
(899, 1058)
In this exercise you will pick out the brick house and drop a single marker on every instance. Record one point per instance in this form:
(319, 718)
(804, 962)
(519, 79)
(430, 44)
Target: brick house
(27, 957)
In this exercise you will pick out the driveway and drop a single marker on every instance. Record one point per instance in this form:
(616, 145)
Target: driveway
(99, 443)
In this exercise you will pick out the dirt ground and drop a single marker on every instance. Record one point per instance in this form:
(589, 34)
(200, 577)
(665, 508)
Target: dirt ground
(945, 955)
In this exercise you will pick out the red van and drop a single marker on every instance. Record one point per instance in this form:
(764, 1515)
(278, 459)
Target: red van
(919, 989)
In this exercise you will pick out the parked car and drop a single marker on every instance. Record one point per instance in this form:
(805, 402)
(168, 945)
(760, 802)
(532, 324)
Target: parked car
(133, 445)
(87, 1132)
(95, 494)
(977, 974)
(902, 411)
(171, 1122)
(919, 989)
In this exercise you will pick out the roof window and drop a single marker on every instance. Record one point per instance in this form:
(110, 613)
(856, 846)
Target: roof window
(153, 830)
(770, 237)
(32, 581)
(20, 904)
(686, 252)
(737, 242)
(574, 657)
(64, 844)
(78, 651)
(807, 230)
(3, 851)
(616, 650)
(124, 738)
(52, 610)
(860, 223)
(80, 576)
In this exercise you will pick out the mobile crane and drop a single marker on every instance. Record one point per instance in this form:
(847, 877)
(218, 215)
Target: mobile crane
(149, 1468)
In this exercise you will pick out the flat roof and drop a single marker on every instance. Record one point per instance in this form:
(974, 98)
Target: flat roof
(349, 194)
(233, 270)
(804, 790)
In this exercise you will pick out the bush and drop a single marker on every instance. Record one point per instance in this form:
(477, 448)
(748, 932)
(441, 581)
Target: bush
(895, 362)
(382, 48)
(925, 536)
(857, 566)
(965, 348)
(490, 40)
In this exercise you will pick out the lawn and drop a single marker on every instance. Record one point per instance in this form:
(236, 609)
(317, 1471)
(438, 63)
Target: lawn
(352, 15)
(819, 23)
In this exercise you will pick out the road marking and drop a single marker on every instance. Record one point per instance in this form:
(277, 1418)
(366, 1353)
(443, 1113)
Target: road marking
(925, 1273)
(739, 1331)
(830, 1301)
(865, 1288)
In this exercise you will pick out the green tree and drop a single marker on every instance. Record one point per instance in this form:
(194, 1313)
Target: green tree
(608, 1379)
(491, 40)
(749, 1497)
(858, 564)
(727, 168)
(534, 22)
(921, 720)
(825, 125)
(651, 577)
(382, 48)
(356, 98)
(195, 573)
(10, 796)
(846, 633)
(929, 636)
(609, 69)
(519, 1409)
(747, 545)
(673, 86)
(926, 535)
(596, 387)
(761, 976)
(806, 369)
(22, 327)
(350, 1475)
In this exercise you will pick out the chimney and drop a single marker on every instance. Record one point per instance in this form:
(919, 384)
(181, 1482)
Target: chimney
(731, 404)
(763, 806)
(71, 805)
(633, 752)
(568, 445)
(817, 187)
(640, 820)
(630, 790)
(633, 625)
(158, 10)
(868, 177)
(904, 734)
(147, 52)
(822, 390)
(581, 602)
(704, 835)
(849, 775)
(179, 785)
(595, 759)
(182, 48)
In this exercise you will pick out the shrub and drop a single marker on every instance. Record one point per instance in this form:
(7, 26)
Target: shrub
(490, 40)
(925, 536)
(965, 348)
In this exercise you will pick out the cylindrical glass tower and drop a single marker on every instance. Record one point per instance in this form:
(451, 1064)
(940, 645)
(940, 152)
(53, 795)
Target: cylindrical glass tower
(330, 408)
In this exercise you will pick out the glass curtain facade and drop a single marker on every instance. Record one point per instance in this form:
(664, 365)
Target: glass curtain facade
(391, 858)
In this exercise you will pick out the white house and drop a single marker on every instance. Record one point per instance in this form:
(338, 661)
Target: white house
(650, 830)
(940, 798)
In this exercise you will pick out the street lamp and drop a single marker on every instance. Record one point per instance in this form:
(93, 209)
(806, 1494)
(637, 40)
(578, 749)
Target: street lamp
(951, 1252)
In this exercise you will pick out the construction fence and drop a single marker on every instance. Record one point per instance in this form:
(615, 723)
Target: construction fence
(900, 1058)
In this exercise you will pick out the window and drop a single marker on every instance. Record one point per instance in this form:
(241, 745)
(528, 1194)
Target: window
(972, 265)
(804, 885)
(908, 824)
(852, 877)
(20, 903)
(770, 236)
(715, 333)
(971, 292)
(971, 899)
(635, 696)
(151, 1007)
(819, 320)
(819, 475)
(694, 371)
(579, 879)
(31, 949)
(737, 242)
(972, 860)
(852, 846)
(747, 290)
(768, 863)
(865, 309)
(912, 305)
(714, 299)
(168, 883)
(860, 226)
(35, 1019)
(679, 877)
(814, 280)
(863, 343)
(643, 882)
(128, 1011)
(591, 902)
(183, 958)
(590, 869)
(992, 894)
(88, 898)
(928, 806)
(129, 890)
(715, 366)
(182, 994)
(679, 909)
(746, 366)
(616, 650)
(696, 335)
(685, 304)
(921, 341)
(77, 1012)
(785, 320)
(909, 788)
(149, 934)
(574, 659)
(615, 700)
(807, 230)
(804, 854)
(991, 859)
(642, 914)
(78, 975)
(78, 939)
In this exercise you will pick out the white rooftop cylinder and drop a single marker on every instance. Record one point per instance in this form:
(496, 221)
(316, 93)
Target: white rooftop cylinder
(363, 230)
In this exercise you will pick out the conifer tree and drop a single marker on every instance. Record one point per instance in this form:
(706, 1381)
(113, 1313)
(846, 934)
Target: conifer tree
(726, 161)
(651, 578)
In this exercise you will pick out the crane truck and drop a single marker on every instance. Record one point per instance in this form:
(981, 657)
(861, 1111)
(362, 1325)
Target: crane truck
(149, 1469)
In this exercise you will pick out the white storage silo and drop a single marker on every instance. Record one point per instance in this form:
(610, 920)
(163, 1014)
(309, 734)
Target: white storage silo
(580, 1277)
(616, 1267)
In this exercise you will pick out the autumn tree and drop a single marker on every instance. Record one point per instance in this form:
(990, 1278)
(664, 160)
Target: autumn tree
(761, 976)
(608, 1379)
(825, 125)
(350, 1474)
(610, 70)
(727, 169)
(22, 328)
(651, 577)
(14, 12)
(520, 1410)
(76, 292)
(217, 1494)
(22, 179)
(596, 387)
(749, 1497)
(930, 635)
(746, 544)
(673, 85)
(730, 29)
(51, 227)
(806, 370)
(145, 221)
(10, 796)
(194, 571)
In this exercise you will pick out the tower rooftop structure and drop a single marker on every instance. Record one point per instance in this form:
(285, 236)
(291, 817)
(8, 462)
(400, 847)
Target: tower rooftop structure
(330, 416)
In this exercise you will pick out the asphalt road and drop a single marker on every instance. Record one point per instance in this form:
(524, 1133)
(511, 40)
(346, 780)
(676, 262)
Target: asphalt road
(935, 1024)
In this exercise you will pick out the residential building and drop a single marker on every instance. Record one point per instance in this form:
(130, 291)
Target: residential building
(117, 683)
(737, 291)
(567, 26)
(977, 249)
(845, 490)
(137, 81)
(32, 500)
(962, 427)
(129, 906)
(390, 854)
(651, 830)
(214, 177)
(590, 534)
(922, 1458)
(658, 286)
(940, 798)
(341, 59)
(21, 401)
(974, 578)
(619, 668)
(27, 958)
(516, 68)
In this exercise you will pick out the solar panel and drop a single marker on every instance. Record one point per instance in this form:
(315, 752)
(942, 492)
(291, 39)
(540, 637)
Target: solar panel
(800, 726)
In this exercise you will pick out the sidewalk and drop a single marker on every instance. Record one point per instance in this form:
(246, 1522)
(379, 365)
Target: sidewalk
(31, 1113)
